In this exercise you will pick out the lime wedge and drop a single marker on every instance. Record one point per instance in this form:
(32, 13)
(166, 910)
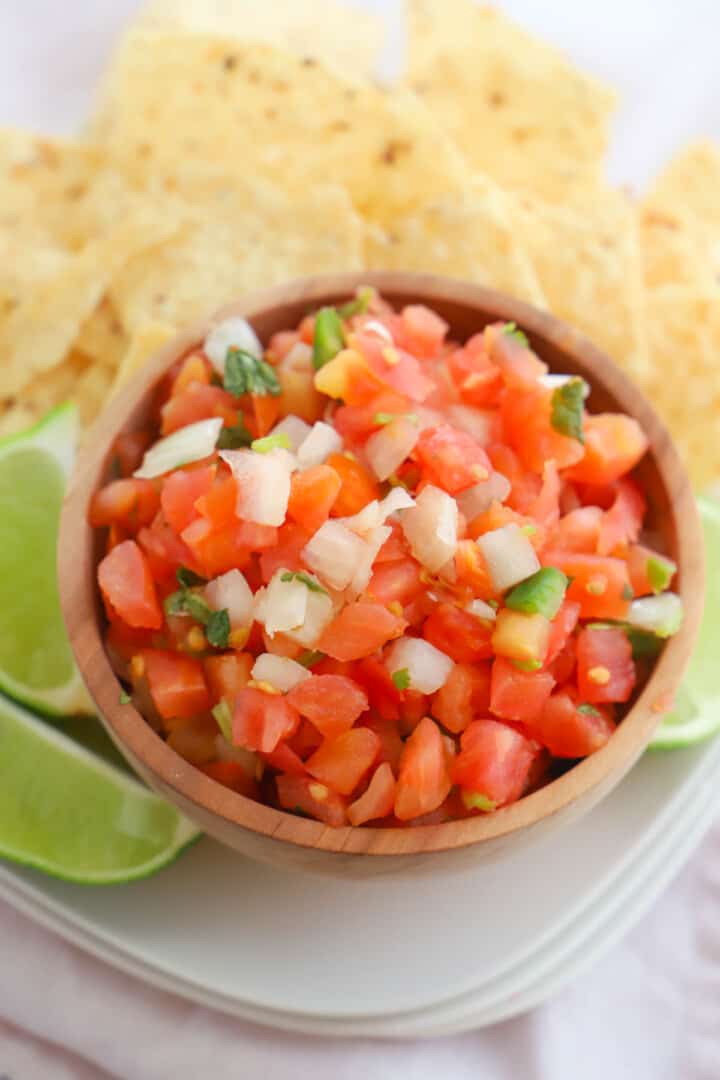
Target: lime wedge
(67, 812)
(36, 663)
(696, 715)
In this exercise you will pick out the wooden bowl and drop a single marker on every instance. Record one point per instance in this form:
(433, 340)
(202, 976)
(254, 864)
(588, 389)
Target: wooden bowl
(268, 834)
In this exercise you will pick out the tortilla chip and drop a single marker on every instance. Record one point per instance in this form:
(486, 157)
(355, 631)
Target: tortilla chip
(175, 99)
(145, 343)
(470, 235)
(102, 336)
(243, 237)
(347, 39)
(690, 184)
(519, 111)
(44, 392)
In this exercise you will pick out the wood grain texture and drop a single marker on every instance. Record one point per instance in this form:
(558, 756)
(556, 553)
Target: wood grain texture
(268, 834)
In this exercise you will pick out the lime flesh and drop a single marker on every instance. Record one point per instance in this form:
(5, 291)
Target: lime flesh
(67, 812)
(696, 715)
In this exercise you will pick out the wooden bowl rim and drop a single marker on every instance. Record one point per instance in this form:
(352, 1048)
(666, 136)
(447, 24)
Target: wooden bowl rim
(131, 731)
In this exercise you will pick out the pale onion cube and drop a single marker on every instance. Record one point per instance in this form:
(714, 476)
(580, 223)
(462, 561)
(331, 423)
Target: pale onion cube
(363, 571)
(428, 668)
(388, 448)
(232, 333)
(320, 442)
(263, 482)
(397, 499)
(191, 443)
(509, 555)
(376, 513)
(481, 610)
(231, 592)
(334, 553)
(318, 613)
(373, 326)
(282, 606)
(295, 429)
(430, 527)
(480, 497)
(661, 615)
(475, 422)
(552, 380)
(279, 671)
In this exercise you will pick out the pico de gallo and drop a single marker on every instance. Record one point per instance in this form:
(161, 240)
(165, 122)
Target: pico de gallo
(367, 573)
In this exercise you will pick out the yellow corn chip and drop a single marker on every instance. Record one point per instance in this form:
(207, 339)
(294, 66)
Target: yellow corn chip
(145, 343)
(516, 107)
(690, 183)
(53, 387)
(102, 336)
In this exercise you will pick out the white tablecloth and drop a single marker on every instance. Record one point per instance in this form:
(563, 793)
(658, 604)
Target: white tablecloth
(651, 1009)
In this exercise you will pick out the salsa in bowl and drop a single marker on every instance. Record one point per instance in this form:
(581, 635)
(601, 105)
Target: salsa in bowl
(376, 566)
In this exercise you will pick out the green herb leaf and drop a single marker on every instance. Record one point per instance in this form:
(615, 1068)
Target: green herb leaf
(540, 594)
(589, 710)
(196, 606)
(298, 575)
(660, 572)
(124, 698)
(401, 679)
(174, 604)
(475, 800)
(188, 578)
(527, 665)
(281, 441)
(358, 306)
(567, 407)
(310, 657)
(645, 645)
(217, 629)
(233, 438)
(248, 374)
(383, 418)
(329, 337)
(223, 717)
(510, 329)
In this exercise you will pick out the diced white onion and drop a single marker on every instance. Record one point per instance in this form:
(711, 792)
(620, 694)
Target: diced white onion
(480, 497)
(661, 615)
(321, 441)
(334, 552)
(279, 671)
(481, 610)
(397, 499)
(187, 444)
(295, 429)
(318, 613)
(427, 667)
(431, 527)
(552, 380)
(263, 483)
(376, 513)
(509, 555)
(363, 571)
(473, 421)
(387, 448)
(372, 326)
(282, 605)
(426, 417)
(233, 333)
(232, 592)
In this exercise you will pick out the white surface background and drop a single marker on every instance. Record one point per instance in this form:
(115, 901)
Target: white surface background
(651, 1009)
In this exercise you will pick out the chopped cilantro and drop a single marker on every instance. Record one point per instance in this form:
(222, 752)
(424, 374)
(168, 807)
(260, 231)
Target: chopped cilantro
(125, 698)
(188, 578)
(329, 336)
(281, 441)
(510, 329)
(223, 716)
(567, 406)
(589, 710)
(401, 679)
(232, 438)
(660, 572)
(298, 575)
(248, 374)
(186, 602)
(217, 629)
(310, 657)
(360, 304)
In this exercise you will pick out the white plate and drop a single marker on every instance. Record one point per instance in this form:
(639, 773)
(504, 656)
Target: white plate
(225, 931)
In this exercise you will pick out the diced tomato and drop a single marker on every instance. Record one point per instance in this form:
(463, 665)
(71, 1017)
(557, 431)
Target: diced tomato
(562, 668)
(177, 683)
(180, 492)
(524, 485)
(128, 450)
(291, 539)
(413, 706)
(394, 368)
(424, 780)
(232, 775)
(394, 548)
(281, 343)
(382, 693)
(422, 330)
(568, 730)
(217, 551)
(479, 381)
(165, 551)
(397, 581)
(226, 675)
(638, 559)
(129, 503)
(519, 366)
(459, 634)
(305, 740)
(528, 428)
(265, 412)
(342, 762)
(358, 488)
(123, 642)
(545, 508)
(312, 494)
(494, 761)
(614, 444)
(218, 503)
(499, 515)
(261, 721)
(359, 630)
(377, 800)
(356, 422)
(561, 627)
(195, 368)
(518, 695)
(605, 665)
(621, 524)
(451, 459)
(601, 585)
(332, 702)
(285, 760)
(578, 530)
(391, 744)
(472, 570)
(302, 793)
(128, 588)
(465, 695)
(198, 402)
